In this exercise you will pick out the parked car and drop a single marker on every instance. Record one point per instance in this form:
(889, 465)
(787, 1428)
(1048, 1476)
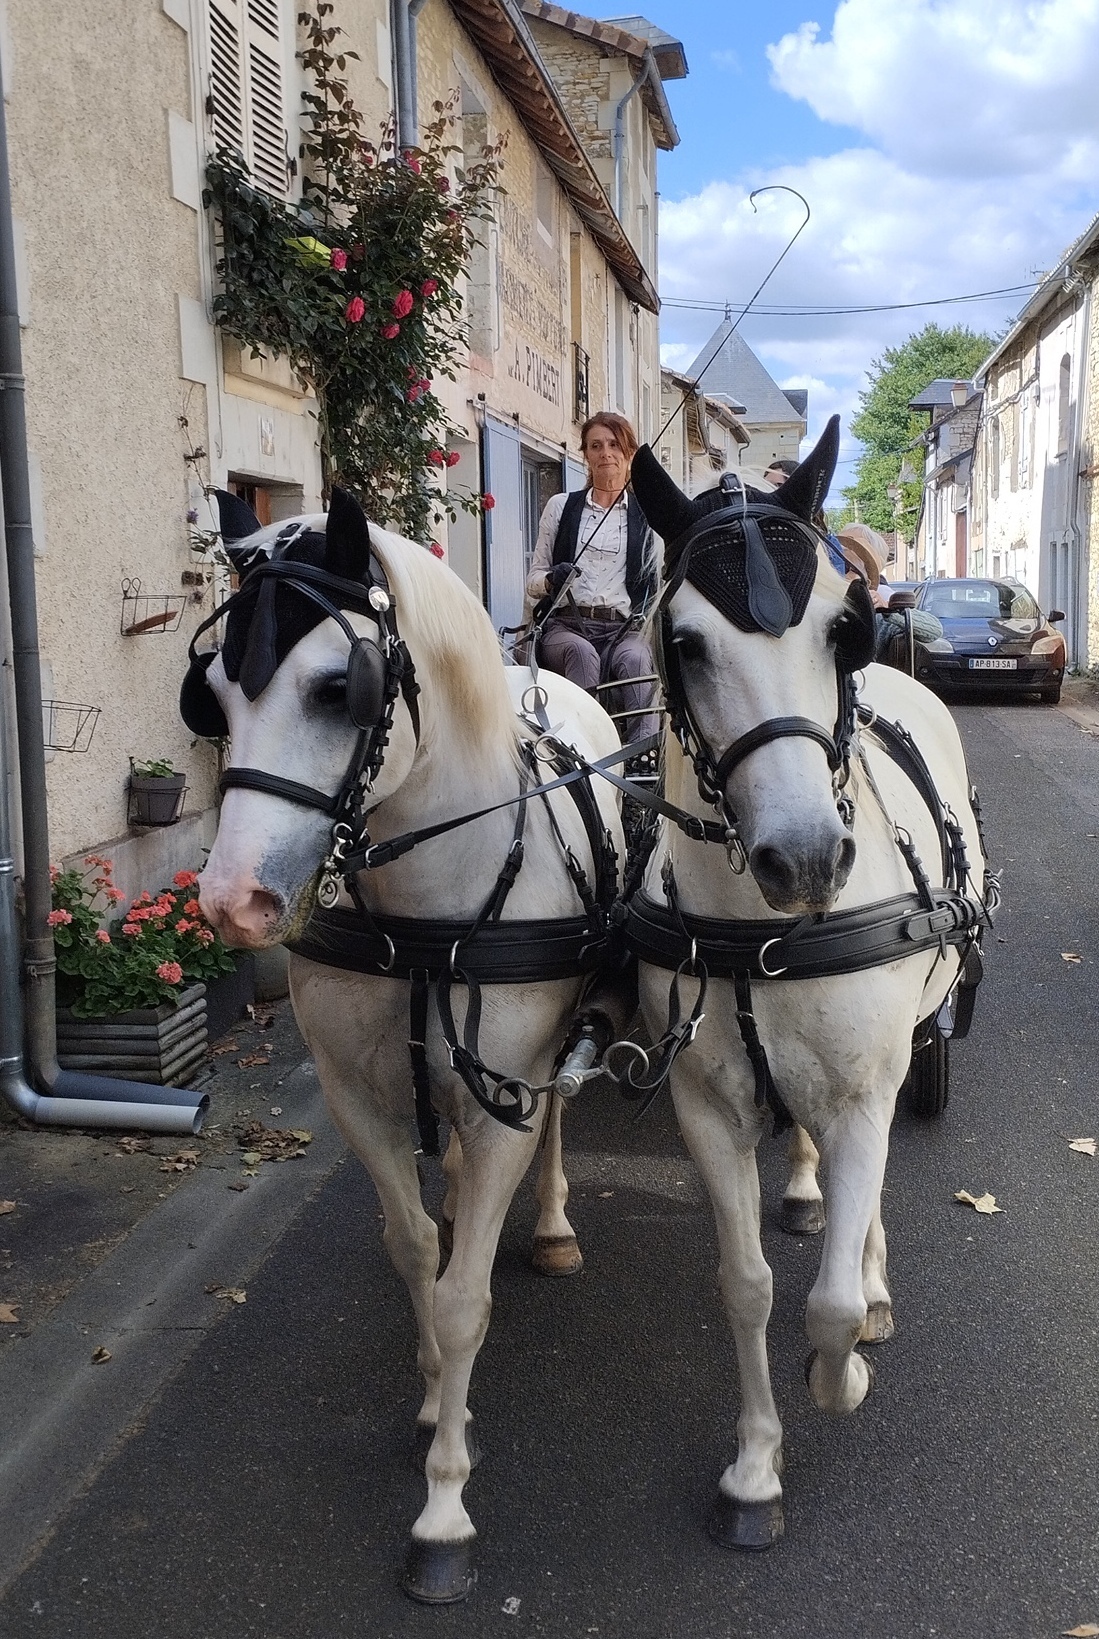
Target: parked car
(994, 637)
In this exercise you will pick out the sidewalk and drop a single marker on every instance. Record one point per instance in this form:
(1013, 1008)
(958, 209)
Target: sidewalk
(1080, 701)
(119, 1255)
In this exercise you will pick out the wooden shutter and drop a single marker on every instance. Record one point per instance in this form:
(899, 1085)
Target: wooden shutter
(246, 86)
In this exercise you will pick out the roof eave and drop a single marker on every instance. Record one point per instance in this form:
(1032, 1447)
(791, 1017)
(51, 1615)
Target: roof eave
(1051, 287)
(497, 29)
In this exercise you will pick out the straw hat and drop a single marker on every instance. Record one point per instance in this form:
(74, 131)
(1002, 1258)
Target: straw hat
(864, 550)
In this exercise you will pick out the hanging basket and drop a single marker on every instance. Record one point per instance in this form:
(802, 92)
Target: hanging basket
(156, 799)
(146, 612)
(68, 726)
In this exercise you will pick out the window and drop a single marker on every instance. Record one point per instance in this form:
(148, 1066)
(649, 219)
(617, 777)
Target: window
(246, 105)
(545, 200)
(1064, 378)
(994, 458)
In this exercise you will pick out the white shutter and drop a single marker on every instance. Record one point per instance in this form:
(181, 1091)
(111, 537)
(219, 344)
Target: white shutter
(246, 86)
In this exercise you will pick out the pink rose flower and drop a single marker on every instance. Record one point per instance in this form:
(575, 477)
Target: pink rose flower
(58, 919)
(403, 303)
(452, 458)
(354, 310)
(358, 253)
(170, 972)
(103, 936)
(437, 458)
(429, 287)
(412, 162)
(436, 550)
(415, 394)
(390, 330)
(338, 260)
(442, 183)
(488, 502)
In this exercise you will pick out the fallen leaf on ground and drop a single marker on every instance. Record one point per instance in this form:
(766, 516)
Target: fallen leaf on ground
(1070, 956)
(261, 1143)
(1086, 1146)
(261, 1016)
(979, 1203)
(235, 1294)
(238, 1185)
(250, 1059)
(1086, 1630)
(226, 1047)
(132, 1146)
(8, 1316)
(6, 1206)
(276, 1109)
(511, 1605)
(100, 1355)
(126, 1189)
(605, 1194)
(181, 1161)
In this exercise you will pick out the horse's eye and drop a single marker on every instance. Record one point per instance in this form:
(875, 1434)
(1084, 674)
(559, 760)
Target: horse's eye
(690, 646)
(331, 693)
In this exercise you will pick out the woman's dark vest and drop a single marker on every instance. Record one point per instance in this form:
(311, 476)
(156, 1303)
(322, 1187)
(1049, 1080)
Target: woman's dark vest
(640, 569)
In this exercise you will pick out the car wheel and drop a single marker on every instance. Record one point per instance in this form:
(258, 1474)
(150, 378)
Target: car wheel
(1052, 695)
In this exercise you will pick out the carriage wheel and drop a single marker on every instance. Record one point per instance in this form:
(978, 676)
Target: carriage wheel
(929, 1076)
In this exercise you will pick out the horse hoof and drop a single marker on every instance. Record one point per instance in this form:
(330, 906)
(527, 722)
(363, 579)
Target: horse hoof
(751, 1526)
(878, 1326)
(439, 1573)
(802, 1217)
(425, 1434)
(557, 1255)
(870, 1374)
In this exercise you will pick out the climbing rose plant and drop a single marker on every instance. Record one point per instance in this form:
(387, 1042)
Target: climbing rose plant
(358, 286)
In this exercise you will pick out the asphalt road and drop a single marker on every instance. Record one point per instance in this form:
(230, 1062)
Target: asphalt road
(268, 1491)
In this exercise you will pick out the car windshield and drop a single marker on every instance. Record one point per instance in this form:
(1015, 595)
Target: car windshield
(979, 600)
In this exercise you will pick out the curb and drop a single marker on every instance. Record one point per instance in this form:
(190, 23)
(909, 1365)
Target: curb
(146, 1303)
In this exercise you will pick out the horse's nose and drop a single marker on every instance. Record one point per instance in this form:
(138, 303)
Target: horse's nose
(246, 918)
(797, 879)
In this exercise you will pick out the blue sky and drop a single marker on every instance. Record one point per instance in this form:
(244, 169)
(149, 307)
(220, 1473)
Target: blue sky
(946, 147)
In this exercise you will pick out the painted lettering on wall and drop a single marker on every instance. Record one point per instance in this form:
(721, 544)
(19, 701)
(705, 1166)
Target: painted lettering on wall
(537, 373)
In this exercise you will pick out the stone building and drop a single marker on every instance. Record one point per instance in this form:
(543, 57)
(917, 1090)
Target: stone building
(1035, 510)
(942, 537)
(701, 436)
(136, 403)
(773, 417)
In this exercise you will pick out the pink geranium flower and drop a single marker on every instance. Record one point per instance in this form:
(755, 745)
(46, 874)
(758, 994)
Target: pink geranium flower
(58, 919)
(354, 310)
(185, 879)
(103, 936)
(170, 972)
(132, 929)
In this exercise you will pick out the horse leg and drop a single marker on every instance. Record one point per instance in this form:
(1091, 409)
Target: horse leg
(748, 1511)
(439, 1569)
(878, 1325)
(803, 1203)
(556, 1249)
(452, 1171)
(853, 1149)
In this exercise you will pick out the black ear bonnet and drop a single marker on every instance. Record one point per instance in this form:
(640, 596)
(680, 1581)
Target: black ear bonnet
(281, 599)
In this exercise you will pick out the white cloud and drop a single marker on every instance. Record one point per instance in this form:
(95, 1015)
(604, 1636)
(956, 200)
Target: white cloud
(991, 87)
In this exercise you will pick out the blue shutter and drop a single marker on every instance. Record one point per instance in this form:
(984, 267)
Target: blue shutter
(505, 577)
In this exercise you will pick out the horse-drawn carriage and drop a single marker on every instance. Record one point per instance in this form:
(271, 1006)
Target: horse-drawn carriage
(442, 849)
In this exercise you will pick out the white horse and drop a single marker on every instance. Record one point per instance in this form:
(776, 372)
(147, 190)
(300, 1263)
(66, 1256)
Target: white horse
(836, 1047)
(453, 749)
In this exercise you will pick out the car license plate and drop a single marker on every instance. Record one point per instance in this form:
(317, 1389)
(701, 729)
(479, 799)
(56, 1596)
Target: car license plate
(993, 665)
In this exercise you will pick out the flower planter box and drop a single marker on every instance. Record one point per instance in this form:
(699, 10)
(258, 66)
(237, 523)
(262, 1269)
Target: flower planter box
(163, 1045)
(156, 799)
(229, 994)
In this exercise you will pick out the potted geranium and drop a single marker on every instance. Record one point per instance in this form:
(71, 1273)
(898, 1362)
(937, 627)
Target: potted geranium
(157, 793)
(132, 996)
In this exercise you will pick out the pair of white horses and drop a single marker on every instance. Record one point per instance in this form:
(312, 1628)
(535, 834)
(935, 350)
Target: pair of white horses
(838, 1047)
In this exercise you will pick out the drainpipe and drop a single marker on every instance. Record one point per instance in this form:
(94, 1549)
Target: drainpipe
(405, 13)
(647, 71)
(68, 1098)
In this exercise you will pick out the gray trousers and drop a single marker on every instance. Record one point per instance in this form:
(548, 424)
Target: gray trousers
(590, 652)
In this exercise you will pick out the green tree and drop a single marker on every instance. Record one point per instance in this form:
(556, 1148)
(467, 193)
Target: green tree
(887, 427)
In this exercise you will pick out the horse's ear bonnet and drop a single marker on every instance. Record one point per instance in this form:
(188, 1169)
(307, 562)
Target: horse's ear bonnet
(753, 555)
(268, 619)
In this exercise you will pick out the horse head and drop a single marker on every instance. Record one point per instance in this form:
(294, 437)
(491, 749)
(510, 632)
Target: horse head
(311, 685)
(757, 638)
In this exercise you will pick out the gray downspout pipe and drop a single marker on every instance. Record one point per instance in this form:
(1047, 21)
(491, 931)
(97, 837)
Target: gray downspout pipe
(67, 1098)
(647, 71)
(405, 13)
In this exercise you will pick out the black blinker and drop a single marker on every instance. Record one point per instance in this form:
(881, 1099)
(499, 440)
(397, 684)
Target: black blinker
(855, 629)
(199, 706)
(366, 680)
